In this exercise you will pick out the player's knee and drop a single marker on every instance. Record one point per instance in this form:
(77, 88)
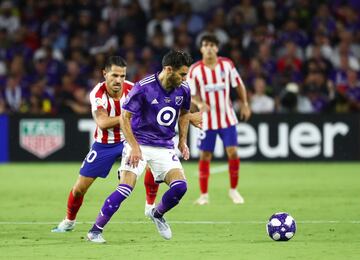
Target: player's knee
(232, 153)
(206, 156)
(78, 191)
(179, 187)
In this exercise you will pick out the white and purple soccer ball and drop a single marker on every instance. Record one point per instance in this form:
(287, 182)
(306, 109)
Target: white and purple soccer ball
(281, 226)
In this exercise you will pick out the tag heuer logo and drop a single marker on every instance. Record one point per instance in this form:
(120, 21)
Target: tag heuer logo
(41, 137)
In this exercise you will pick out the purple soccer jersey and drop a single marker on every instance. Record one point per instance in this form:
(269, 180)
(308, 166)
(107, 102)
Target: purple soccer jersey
(155, 111)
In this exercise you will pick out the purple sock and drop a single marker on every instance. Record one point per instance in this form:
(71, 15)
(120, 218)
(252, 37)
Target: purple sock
(171, 198)
(111, 205)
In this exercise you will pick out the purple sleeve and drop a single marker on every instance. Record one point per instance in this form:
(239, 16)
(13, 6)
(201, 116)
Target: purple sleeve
(134, 100)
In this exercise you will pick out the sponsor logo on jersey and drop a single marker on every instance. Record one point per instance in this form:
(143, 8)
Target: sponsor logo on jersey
(214, 87)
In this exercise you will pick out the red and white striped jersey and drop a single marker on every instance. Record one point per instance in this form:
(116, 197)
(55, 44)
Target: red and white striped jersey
(213, 86)
(99, 98)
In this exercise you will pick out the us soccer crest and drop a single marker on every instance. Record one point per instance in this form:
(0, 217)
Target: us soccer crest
(41, 137)
(179, 100)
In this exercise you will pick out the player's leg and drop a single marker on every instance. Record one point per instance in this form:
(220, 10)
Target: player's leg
(76, 195)
(74, 202)
(204, 175)
(167, 168)
(128, 176)
(176, 181)
(151, 188)
(229, 138)
(97, 163)
(206, 145)
(111, 205)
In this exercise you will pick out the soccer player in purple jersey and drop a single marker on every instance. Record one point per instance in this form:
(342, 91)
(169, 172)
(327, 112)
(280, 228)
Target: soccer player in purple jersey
(151, 111)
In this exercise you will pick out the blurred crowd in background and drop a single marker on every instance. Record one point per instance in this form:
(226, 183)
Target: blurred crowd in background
(294, 56)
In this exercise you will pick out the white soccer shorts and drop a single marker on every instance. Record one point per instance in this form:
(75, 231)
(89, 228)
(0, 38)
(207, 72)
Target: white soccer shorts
(160, 160)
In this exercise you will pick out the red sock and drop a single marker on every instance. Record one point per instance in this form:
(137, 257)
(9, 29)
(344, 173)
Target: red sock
(204, 172)
(234, 165)
(151, 187)
(73, 206)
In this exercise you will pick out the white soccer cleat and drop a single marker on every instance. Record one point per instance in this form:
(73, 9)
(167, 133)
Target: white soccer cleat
(96, 237)
(236, 197)
(203, 199)
(64, 226)
(161, 225)
(148, 209)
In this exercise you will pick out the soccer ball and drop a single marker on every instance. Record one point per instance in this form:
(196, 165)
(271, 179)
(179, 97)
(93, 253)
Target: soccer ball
(281, 226)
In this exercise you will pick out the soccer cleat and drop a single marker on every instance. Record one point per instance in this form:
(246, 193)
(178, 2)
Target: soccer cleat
(161, 225)
(203, 199)
(64, 226)
(96, 237)
(148, 209)
(236, 197)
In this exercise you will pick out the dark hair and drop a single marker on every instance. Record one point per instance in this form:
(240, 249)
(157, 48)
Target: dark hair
(115, 60)
(209, 38)
(176, 59)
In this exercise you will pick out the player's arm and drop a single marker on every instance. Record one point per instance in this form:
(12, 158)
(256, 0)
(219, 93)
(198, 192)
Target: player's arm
(103, 120)
(245, 111)
(183, 125)
(195, 119)
(201, 105)
(135, 154)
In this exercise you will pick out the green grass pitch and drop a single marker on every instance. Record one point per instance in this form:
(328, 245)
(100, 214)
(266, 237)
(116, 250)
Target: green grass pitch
(322, 197)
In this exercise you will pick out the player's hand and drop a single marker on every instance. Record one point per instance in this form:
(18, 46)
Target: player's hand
(196, 119)
(184, 149)
(135, 157)
(245, 112)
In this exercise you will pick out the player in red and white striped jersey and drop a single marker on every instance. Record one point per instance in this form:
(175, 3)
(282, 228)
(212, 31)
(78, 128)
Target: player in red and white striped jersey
(100, 99)
(106, 100)
(210, 81)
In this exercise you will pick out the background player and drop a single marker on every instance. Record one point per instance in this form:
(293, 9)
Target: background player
(151, 112)
(210, 80)
(106, 99)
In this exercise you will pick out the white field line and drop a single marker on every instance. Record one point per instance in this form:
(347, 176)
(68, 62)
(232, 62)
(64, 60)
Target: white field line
(187, 222)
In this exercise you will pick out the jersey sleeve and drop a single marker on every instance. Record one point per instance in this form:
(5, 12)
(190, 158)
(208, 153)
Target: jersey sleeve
(97, 103)
(235, 77)
(134, 100)
(191, 80)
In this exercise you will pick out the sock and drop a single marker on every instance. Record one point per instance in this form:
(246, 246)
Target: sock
(73, 206)
(171, 198)
(204, 173)
(151, 187)
(111, 205)
(234, 165)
